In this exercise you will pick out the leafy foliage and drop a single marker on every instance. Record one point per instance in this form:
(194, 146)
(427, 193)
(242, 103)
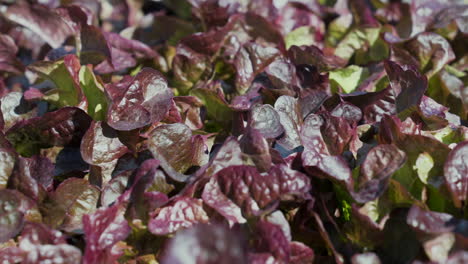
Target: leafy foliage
(209, 131)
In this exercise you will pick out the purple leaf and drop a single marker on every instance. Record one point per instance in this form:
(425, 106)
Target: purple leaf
(188, 67)
(456, 173)
(72, 199)
(282, 74)
(41, 20)
(63, 127)
(429, 222)
(100, 144)
(10, 215)
(374, 105)
(32, 176)
(271, 239)
(255, 146)
(40, 244)
(347, 111)
(289, 110)
(314, 56)
(205, 244)
(148, 190)
(120, 62)
(229, 153)
(250, 61)
(380, 163)
(300, 253)
(267, 121)
(177, 146)
(213, 13)
(432, 50)
(14, 109)
(8, 61)
(114, 188)
(103, 229)
(182, 213)
(135, 47)
(124, 53)
(139, 101)
(7, 161)
(407, 83)
(190, 111)
(237, 189)
(94, 46)
(336, 133)
(332, 167)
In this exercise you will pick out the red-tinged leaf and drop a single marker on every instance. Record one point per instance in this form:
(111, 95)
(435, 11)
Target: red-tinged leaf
(332, 167)
(282, 74)
(432, 50)
(175, 144)
(300, 253)
(429, 222)
(64, 74)
(271, 239)
(336, 133)
(113, 189)
(206, 244)
(8, 61)
(408, 84)
(103, 229)
(101, 144)
(138, 101)
(213, 13)
(180, 214)
(255, 146)
(135, 47)
(190, 111)
(11, 217)
(237, 189)
(63, 127)
(456, 173)
(7, 163)
(380, 163)
(32, 177)
(374, 105)
(71, 200)
(267, 121)
(314, 56)
(94, 46)
(250, 61)
(40, 244)
(41, 20)
(347, 111)
(188, 67)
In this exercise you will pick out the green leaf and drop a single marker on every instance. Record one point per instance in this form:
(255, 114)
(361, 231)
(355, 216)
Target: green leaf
(423, 165)
(94, 92)
(365, 42)
(61, 74)
(72, 199)
(300, 36)
(337, 30)
(216, 106)
(348, 78)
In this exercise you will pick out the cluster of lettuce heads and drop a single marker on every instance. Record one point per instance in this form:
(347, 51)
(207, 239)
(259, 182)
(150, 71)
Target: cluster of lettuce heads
(206, 131)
